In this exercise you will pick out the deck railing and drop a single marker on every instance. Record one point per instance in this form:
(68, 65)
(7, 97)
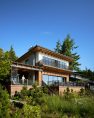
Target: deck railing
(57, 83)
(16, 81)
(55, 63)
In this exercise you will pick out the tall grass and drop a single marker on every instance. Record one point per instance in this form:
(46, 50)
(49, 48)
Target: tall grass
(81, 107)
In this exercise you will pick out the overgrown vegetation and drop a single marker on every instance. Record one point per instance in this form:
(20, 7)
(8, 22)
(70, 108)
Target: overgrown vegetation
(16, 109)
(34, 103)
(70, 105)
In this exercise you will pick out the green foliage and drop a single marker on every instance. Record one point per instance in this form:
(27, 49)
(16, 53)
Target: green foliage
(53, 103)
(4, 103)
(12, 55)
(31, 111)
(17, 113)
(24, 92)
(71, 104)
(82, 107)
(4, 64)
(37, 95)
(58, 47)
(6, 59)
(32, 96)
(27, 112)
(68, 94)
(67, 48)
(82, 92)
(87, 73)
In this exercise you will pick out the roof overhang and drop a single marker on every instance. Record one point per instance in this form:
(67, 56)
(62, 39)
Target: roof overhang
(45, 51)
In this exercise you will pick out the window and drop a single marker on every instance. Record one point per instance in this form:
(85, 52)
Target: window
(54, 63)
(27, 61)
(45, 78)
(48, 79)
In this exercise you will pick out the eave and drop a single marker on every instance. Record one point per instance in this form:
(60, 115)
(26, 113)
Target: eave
(44, 51)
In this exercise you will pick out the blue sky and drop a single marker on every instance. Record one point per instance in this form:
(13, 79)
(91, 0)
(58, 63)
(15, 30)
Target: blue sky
(25, 23)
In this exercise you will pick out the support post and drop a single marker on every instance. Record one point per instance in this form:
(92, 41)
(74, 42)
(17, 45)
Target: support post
(39, 78)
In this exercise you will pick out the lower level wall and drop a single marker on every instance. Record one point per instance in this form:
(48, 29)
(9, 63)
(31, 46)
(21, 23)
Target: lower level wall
(74, 88)
(17, 88)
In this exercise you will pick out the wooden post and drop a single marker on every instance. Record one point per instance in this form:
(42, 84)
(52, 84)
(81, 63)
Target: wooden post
(67, 79)
(39, 78)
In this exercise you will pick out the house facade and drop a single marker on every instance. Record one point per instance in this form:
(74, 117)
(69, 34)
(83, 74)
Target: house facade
(41, 65)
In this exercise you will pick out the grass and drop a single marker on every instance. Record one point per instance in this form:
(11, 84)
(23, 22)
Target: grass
(59, 107)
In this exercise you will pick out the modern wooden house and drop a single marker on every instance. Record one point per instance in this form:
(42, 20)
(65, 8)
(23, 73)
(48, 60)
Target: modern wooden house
(41, 65)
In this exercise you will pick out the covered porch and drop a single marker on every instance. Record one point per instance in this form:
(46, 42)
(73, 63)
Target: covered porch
(24, 75)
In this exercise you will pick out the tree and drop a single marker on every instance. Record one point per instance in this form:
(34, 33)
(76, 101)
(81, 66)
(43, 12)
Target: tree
(12, 55)
(6, 59)
(87, 73)
(67, 48)
(58, 47)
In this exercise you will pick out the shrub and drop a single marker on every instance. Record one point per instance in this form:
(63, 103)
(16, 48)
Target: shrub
(27, 112)
(4, 103)
(36, 93)
(31, 111)
(82, 92)
(68, 94)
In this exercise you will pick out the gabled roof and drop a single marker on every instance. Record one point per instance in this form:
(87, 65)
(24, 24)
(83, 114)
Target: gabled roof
(38, 48)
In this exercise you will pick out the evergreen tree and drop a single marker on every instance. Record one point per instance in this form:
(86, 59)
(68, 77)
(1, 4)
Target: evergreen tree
(12, 55)
(88, 73)
(58, 47)
(67, 48)
(6, 59)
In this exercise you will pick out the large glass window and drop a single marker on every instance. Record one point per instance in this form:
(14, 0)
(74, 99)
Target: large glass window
(45, 79)
(52, 79)
(60, 79)
(55, 63)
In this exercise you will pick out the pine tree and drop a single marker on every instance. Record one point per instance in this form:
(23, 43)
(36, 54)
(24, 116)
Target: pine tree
(12, 55)
(67, 48)
(58, 47)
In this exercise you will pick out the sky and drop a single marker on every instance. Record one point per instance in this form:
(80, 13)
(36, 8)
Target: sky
(25, 23)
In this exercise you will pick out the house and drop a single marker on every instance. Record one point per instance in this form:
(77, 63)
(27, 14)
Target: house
(42, 65)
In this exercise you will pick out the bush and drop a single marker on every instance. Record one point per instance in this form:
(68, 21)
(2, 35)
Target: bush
(68, 94)
(36, 93)
(82, 92)
(4, 103)
(27, 112)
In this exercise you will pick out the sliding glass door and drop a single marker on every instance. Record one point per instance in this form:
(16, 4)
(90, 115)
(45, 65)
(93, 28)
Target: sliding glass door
(48, 79)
